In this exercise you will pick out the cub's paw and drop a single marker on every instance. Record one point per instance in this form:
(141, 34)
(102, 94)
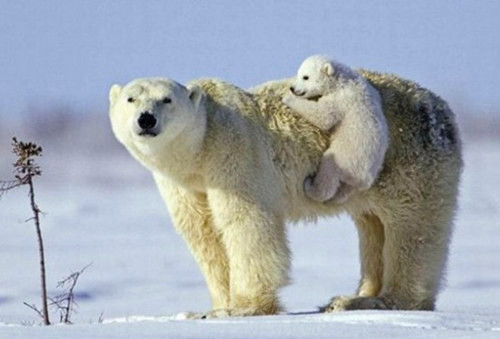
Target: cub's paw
(288, 100)
(342, 195)
(345, 303)
(317, 193)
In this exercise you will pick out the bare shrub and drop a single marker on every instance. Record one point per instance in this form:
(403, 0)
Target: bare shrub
(25, 169)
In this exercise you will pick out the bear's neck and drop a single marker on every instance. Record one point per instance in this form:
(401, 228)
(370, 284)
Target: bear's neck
(181, 158)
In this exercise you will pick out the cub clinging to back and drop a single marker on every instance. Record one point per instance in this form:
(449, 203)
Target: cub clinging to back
(337, 99)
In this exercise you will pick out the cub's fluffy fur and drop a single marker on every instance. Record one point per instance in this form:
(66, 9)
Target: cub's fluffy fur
(342, 103)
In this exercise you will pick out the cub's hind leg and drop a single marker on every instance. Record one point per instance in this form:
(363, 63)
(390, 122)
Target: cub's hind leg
(326, 182)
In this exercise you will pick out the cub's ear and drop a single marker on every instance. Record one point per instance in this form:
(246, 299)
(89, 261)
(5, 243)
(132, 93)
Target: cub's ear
(328, 69)
(114, 92)
(196, 95)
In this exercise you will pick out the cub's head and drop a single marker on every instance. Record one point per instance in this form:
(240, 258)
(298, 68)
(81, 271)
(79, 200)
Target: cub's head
(314, 77)
(153, 111)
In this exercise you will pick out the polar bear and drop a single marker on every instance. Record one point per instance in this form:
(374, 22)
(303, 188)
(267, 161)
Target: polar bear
(230, 165)
(339, 100)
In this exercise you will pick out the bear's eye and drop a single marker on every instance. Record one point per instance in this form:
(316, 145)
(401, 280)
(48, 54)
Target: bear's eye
(305, 77)
(166, 100)
(130, 99)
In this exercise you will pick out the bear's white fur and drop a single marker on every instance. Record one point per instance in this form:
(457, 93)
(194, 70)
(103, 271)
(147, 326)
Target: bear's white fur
(230, 166)
(341, 102)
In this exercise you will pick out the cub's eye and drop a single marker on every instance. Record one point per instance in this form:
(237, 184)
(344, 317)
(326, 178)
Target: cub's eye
(130, 99)
(305, 77)
(166, 100)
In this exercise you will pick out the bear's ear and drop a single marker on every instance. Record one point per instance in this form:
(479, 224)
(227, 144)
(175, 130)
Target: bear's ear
(196, 95)
(114, 92)
(328, 69)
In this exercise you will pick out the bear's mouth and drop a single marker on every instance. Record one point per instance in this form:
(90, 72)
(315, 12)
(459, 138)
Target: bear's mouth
(147, 133)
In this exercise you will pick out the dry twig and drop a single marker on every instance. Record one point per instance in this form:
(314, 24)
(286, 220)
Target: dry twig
(65, 303)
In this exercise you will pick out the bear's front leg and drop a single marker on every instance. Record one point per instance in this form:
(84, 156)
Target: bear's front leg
(259, 259)
(192, 219)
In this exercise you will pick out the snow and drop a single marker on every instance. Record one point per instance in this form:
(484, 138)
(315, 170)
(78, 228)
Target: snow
(103, 208)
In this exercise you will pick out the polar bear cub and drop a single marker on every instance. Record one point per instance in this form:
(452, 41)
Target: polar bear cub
(341, 102)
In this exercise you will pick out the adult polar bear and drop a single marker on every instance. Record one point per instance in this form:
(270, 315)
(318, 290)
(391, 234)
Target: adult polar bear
(231, 164)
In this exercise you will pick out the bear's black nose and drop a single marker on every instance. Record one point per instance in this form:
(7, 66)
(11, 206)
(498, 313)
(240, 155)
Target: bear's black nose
(292, 89)
(146, 120)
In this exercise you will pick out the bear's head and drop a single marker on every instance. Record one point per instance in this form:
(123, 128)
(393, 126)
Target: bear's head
(153, 111)
(314, 77)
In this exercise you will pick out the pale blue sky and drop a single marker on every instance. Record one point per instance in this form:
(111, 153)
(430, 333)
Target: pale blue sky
(68, 53)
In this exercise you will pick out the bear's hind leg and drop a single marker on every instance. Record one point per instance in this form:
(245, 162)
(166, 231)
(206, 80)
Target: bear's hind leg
(415, 252)
(414, 256)
(371, 243)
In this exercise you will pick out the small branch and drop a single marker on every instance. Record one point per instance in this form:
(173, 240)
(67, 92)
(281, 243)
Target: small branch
(34, 308)
(101, 318)
(6, 186)
(73, 277)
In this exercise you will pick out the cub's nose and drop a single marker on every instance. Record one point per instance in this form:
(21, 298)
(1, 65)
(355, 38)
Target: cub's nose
(146, 120)
(292, 89)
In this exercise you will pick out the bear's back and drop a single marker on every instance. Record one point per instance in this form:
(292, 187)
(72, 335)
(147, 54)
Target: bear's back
(424, 147)
(424, 137)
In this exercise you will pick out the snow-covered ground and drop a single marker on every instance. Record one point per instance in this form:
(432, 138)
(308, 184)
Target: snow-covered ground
(104, 210)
